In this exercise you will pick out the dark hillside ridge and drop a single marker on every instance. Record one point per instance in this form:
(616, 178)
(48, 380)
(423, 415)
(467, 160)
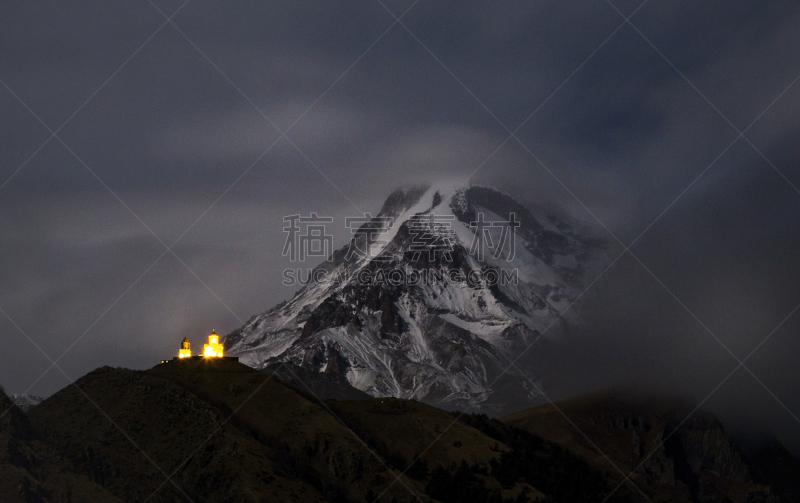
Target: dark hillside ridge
(674, 458)
(29, 468)
(219, 431)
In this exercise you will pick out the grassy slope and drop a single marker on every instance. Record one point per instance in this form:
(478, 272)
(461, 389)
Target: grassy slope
(404, 430)
(410, 428)
(151, 426)
(279, 446)
(280, 418)
(624, 435)
(548, 421)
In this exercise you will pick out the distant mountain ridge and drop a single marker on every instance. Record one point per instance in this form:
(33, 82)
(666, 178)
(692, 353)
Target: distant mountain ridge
(444, 342)
(25, 402)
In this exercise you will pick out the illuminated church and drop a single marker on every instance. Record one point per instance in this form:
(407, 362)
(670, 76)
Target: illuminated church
(211, 350)
(186, 349)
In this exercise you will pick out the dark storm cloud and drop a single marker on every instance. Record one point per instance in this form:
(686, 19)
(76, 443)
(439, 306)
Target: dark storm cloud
(169, 134)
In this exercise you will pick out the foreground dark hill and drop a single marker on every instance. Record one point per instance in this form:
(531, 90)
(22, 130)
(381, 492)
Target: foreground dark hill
(674, 459)
(214, 431)
(173, 421)
(219, 431)
(30, 469)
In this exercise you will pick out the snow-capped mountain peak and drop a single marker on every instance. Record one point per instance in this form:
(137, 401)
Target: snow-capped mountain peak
(447, 286)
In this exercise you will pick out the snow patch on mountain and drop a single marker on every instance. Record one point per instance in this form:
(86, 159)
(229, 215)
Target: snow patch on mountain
(25, 402)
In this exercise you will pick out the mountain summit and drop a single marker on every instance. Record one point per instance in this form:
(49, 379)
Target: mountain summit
(432, 299)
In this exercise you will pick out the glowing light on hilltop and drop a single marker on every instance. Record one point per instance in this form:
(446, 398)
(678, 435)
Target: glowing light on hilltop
(186, 349)
(213, 349)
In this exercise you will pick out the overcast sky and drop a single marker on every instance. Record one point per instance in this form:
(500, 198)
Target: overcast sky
(133, 128)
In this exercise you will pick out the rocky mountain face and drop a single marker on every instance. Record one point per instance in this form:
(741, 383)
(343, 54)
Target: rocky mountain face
(444, 290)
